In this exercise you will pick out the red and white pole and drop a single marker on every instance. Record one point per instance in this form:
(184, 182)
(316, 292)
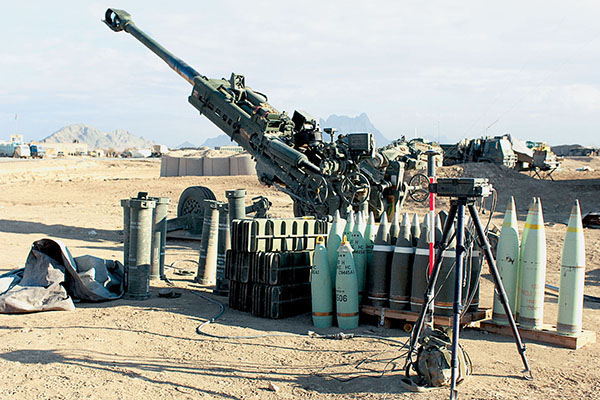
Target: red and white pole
(431, 174)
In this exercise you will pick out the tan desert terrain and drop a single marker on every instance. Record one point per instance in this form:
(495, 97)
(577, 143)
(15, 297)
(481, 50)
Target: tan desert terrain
(150, 349)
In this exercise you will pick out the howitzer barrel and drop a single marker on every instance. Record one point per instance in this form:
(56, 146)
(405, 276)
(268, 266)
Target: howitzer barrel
(119, 20)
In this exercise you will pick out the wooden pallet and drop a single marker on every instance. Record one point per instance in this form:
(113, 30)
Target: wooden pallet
(547, 335)
(386, 316)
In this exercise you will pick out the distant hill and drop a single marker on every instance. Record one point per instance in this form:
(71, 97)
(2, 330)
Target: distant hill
(221, 140)
(186, 145)
(361, 123)
(118, 139)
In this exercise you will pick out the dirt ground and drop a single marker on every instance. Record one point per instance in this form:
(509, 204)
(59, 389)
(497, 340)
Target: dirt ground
(150, 349)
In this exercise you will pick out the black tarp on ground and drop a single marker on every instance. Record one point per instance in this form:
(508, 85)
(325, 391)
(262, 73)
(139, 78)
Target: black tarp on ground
(52, 279)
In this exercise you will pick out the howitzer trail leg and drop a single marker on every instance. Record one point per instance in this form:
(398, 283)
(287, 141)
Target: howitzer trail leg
(485, 246)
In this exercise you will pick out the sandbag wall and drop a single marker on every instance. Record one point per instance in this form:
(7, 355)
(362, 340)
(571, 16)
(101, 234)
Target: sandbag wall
(269, 264)
(207, 166)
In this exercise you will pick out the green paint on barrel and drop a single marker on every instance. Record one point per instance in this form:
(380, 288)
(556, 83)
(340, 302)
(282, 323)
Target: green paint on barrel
(237, 204)
(140, 246)
(159, 238)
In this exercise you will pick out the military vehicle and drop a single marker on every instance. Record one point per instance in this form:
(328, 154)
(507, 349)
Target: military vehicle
(495, 150)
(320, 176)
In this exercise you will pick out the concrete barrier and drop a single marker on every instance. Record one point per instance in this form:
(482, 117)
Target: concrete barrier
(207, 166)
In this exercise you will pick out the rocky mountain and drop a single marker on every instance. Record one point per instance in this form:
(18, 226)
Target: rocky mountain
(186, 145)
(118, 139)
(221, 140)
(360, 123)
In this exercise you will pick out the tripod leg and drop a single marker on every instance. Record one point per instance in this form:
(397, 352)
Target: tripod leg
(457, 306)
(499, 287)
(428, 296)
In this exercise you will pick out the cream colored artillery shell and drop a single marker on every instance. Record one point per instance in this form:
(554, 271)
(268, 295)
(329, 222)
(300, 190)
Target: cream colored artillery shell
(346, 288)
(507, 261)
(321, 288)
(572, 276)
(533, 272)
(528, 219)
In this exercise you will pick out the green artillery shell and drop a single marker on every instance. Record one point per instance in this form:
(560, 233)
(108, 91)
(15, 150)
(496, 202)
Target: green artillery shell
(349, 224)
(379, 270)
(401, 269)
(321, 288)
(572, 275)
(358, 244)
(333, 243)
(346, 288)
(140, 246)
(507, 261)
(533, 272)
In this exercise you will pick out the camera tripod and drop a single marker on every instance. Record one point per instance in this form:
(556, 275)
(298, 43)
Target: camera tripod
(457, 209)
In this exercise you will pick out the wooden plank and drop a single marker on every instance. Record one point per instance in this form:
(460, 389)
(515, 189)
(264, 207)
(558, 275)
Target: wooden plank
(547, 335)
(409, 316)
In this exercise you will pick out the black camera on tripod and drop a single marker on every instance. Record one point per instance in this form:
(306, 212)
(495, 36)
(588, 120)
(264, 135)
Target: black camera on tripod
(462, 188)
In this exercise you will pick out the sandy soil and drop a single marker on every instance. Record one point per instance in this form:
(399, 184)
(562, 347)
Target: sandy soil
(150, 349)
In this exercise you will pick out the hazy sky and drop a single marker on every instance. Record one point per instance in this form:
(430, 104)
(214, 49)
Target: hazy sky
(443, 69)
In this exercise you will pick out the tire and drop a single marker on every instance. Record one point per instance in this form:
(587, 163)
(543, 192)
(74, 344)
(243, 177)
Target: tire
(192, 200)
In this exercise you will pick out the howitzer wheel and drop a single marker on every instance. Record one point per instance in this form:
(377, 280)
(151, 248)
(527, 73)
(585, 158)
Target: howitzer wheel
(356, 189)
(316, 191)
(418, 188)
(192, 199)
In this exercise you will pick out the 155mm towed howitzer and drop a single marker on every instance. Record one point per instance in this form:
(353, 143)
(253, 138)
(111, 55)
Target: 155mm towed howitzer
(320, 176)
